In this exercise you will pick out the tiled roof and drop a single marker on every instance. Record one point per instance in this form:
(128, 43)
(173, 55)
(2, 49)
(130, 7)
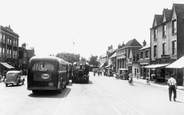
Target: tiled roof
(158, 19)
(145, 47)
(133, 42)
(179, 8)
(168, 13)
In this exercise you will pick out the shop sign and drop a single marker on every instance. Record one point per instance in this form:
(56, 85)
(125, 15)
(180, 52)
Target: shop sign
(165, 56)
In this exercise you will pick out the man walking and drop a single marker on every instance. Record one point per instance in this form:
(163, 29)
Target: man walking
(172, 87)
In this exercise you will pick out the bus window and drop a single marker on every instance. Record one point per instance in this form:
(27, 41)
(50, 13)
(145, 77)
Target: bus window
(43, 66)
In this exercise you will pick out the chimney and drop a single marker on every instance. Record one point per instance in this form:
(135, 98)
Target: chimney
(119, 46)
(123, 45)
(109, 47)
(24, 45)
(144, 43)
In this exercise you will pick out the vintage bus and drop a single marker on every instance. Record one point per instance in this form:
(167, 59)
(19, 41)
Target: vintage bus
(47, 73)
(80, 72)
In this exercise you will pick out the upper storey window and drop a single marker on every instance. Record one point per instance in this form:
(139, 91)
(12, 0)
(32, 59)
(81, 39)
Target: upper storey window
(155, 34)
(174, 26)
(164, 30)
(163, 48)
(155, 51)
(174, 47)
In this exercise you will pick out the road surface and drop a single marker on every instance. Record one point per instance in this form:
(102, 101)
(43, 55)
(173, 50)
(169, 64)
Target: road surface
(101, 96)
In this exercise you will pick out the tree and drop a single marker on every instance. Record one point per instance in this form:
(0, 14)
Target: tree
(70, 57)
(93, 60)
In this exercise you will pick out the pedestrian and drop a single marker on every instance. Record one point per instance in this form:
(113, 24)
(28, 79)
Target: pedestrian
(130, 79)
(148, 81)
(94, 72)
(172, 87)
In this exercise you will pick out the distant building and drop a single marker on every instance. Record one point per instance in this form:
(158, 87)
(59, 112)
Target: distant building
(126, 55)
(23, 59)
(144, 59)
(30, 52)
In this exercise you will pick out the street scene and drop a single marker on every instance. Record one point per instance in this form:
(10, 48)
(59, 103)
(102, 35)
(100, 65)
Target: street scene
(99, 57)
(101, 96)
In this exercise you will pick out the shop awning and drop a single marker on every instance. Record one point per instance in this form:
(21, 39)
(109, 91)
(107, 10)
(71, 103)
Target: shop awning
(101, 65)
(6, 65)
(123, 69)
(107, 66)
(177, 64)
(114, 55)
(156, 65)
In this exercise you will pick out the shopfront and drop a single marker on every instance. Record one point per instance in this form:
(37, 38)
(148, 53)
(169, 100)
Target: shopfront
(158, 72)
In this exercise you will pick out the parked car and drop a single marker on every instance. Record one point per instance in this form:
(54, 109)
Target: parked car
(14, 77)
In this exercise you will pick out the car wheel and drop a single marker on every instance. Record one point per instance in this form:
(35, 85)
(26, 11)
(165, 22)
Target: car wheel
(6, 85)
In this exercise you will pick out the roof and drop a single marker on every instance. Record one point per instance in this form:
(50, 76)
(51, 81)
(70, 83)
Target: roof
(133, 42)
(103, 56)
(158, 19)
(179, 8)
(114, 55)
(168, 13)
(145, 47)
(111, 50)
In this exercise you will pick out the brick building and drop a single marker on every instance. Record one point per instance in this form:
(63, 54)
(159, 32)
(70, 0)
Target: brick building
(9, 42)
(166, 42)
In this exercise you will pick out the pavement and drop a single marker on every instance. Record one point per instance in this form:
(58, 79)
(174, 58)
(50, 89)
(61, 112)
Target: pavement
(163, 85)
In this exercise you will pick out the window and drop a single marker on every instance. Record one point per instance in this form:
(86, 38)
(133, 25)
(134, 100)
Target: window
(141, 56)
(3, 51)
(147, 54)
(0, 51)
(163, 48)
(174, 27)
(43, 66)
(164, 30)
(155, 34)
(1, 37)
(174, 47)
(155, 51)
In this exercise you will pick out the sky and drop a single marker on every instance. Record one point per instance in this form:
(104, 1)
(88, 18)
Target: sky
(85, 27)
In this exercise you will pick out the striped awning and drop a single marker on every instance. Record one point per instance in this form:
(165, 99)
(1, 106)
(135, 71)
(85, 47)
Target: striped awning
(6, 65)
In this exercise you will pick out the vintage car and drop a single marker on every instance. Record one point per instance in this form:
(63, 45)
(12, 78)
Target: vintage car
(123, 73)
(14, 77)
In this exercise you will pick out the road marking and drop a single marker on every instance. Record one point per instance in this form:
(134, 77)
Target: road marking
(109, 101)
(60, 104)
(128, 104)
(122, 101)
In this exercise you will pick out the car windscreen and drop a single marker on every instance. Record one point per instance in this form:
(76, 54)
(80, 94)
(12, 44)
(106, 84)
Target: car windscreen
(43, 66)
(79, 67)
(11, 74)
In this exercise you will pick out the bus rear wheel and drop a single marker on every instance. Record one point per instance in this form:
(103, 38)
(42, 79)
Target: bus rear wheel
(61, 88)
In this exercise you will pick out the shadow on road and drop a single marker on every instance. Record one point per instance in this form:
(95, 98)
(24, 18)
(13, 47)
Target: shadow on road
(51, 94)
(179, 101)
(89, 83)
